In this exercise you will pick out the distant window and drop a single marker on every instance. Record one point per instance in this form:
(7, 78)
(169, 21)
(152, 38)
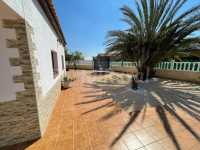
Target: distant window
(54, 58)
(63, 64)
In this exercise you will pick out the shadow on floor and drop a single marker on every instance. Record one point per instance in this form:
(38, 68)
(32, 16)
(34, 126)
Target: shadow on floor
(164, 96)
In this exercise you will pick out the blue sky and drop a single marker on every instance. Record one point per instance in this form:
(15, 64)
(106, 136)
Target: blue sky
(85, 23)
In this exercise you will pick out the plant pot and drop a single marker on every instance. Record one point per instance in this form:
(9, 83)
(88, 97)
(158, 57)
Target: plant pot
(65, 84)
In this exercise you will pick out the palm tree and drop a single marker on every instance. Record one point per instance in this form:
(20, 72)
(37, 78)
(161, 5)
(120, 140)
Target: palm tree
(158, 30)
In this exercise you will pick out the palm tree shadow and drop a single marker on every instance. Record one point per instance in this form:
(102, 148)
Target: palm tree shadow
(164, 96)
(162, 115)
(131, 121)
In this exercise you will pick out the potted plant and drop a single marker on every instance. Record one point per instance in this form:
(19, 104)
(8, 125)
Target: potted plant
(66, 82)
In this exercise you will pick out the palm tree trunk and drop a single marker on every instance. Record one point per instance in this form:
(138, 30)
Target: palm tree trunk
(144, 73)
(146, 70)
(139, 69)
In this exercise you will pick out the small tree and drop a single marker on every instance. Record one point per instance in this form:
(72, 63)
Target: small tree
(77, 56)
(73, 58)
(68, 58)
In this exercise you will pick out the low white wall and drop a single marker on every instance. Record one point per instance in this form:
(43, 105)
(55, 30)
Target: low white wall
(113, 68)
(170, 74)
(82, 67)
(8, 88)
(86, 67)
(124, 69)
(179, 75)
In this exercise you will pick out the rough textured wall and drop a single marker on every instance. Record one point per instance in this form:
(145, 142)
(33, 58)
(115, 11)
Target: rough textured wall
(8, 88)
(19, 118)
(46, 105)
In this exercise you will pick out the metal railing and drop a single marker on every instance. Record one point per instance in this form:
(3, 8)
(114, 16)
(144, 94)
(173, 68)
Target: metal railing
(177, 66)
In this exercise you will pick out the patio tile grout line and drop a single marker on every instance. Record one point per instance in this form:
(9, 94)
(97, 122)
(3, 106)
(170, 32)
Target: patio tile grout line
(73, 135)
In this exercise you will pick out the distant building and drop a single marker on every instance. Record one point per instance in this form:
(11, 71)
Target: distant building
(32, 64)
(101, 62)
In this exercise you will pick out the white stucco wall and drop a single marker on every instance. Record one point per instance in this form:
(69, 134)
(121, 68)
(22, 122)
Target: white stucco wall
(45, 40)
(44, 37)
(8, 89)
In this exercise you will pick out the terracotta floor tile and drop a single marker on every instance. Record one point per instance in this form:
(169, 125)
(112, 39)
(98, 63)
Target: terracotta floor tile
(142, 148)
(167, 144)
(155, 133)
(132, 142)
(119, 146)
(64, 145)
(87, 117)
(196, 147)
(144, 137)
(187, 140)
(135, 127)
(147, 123)
(154, 146)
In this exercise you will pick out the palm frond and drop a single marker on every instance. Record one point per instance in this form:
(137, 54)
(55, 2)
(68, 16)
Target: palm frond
(157, 30)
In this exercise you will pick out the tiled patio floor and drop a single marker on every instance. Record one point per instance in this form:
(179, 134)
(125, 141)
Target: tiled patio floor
(87, 117)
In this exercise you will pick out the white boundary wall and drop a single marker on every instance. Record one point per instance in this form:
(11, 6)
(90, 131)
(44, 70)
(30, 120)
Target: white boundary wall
(186, 71)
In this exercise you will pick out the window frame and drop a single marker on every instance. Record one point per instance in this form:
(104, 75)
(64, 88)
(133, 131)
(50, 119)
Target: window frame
(55, 66)
(63, 63)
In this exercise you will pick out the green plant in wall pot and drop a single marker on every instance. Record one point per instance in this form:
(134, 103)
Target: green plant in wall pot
(66, 82)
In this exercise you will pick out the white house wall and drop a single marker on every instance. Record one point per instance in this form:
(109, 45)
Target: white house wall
(45, 40)
(28, 88)
(19, 119)
(8, 88)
